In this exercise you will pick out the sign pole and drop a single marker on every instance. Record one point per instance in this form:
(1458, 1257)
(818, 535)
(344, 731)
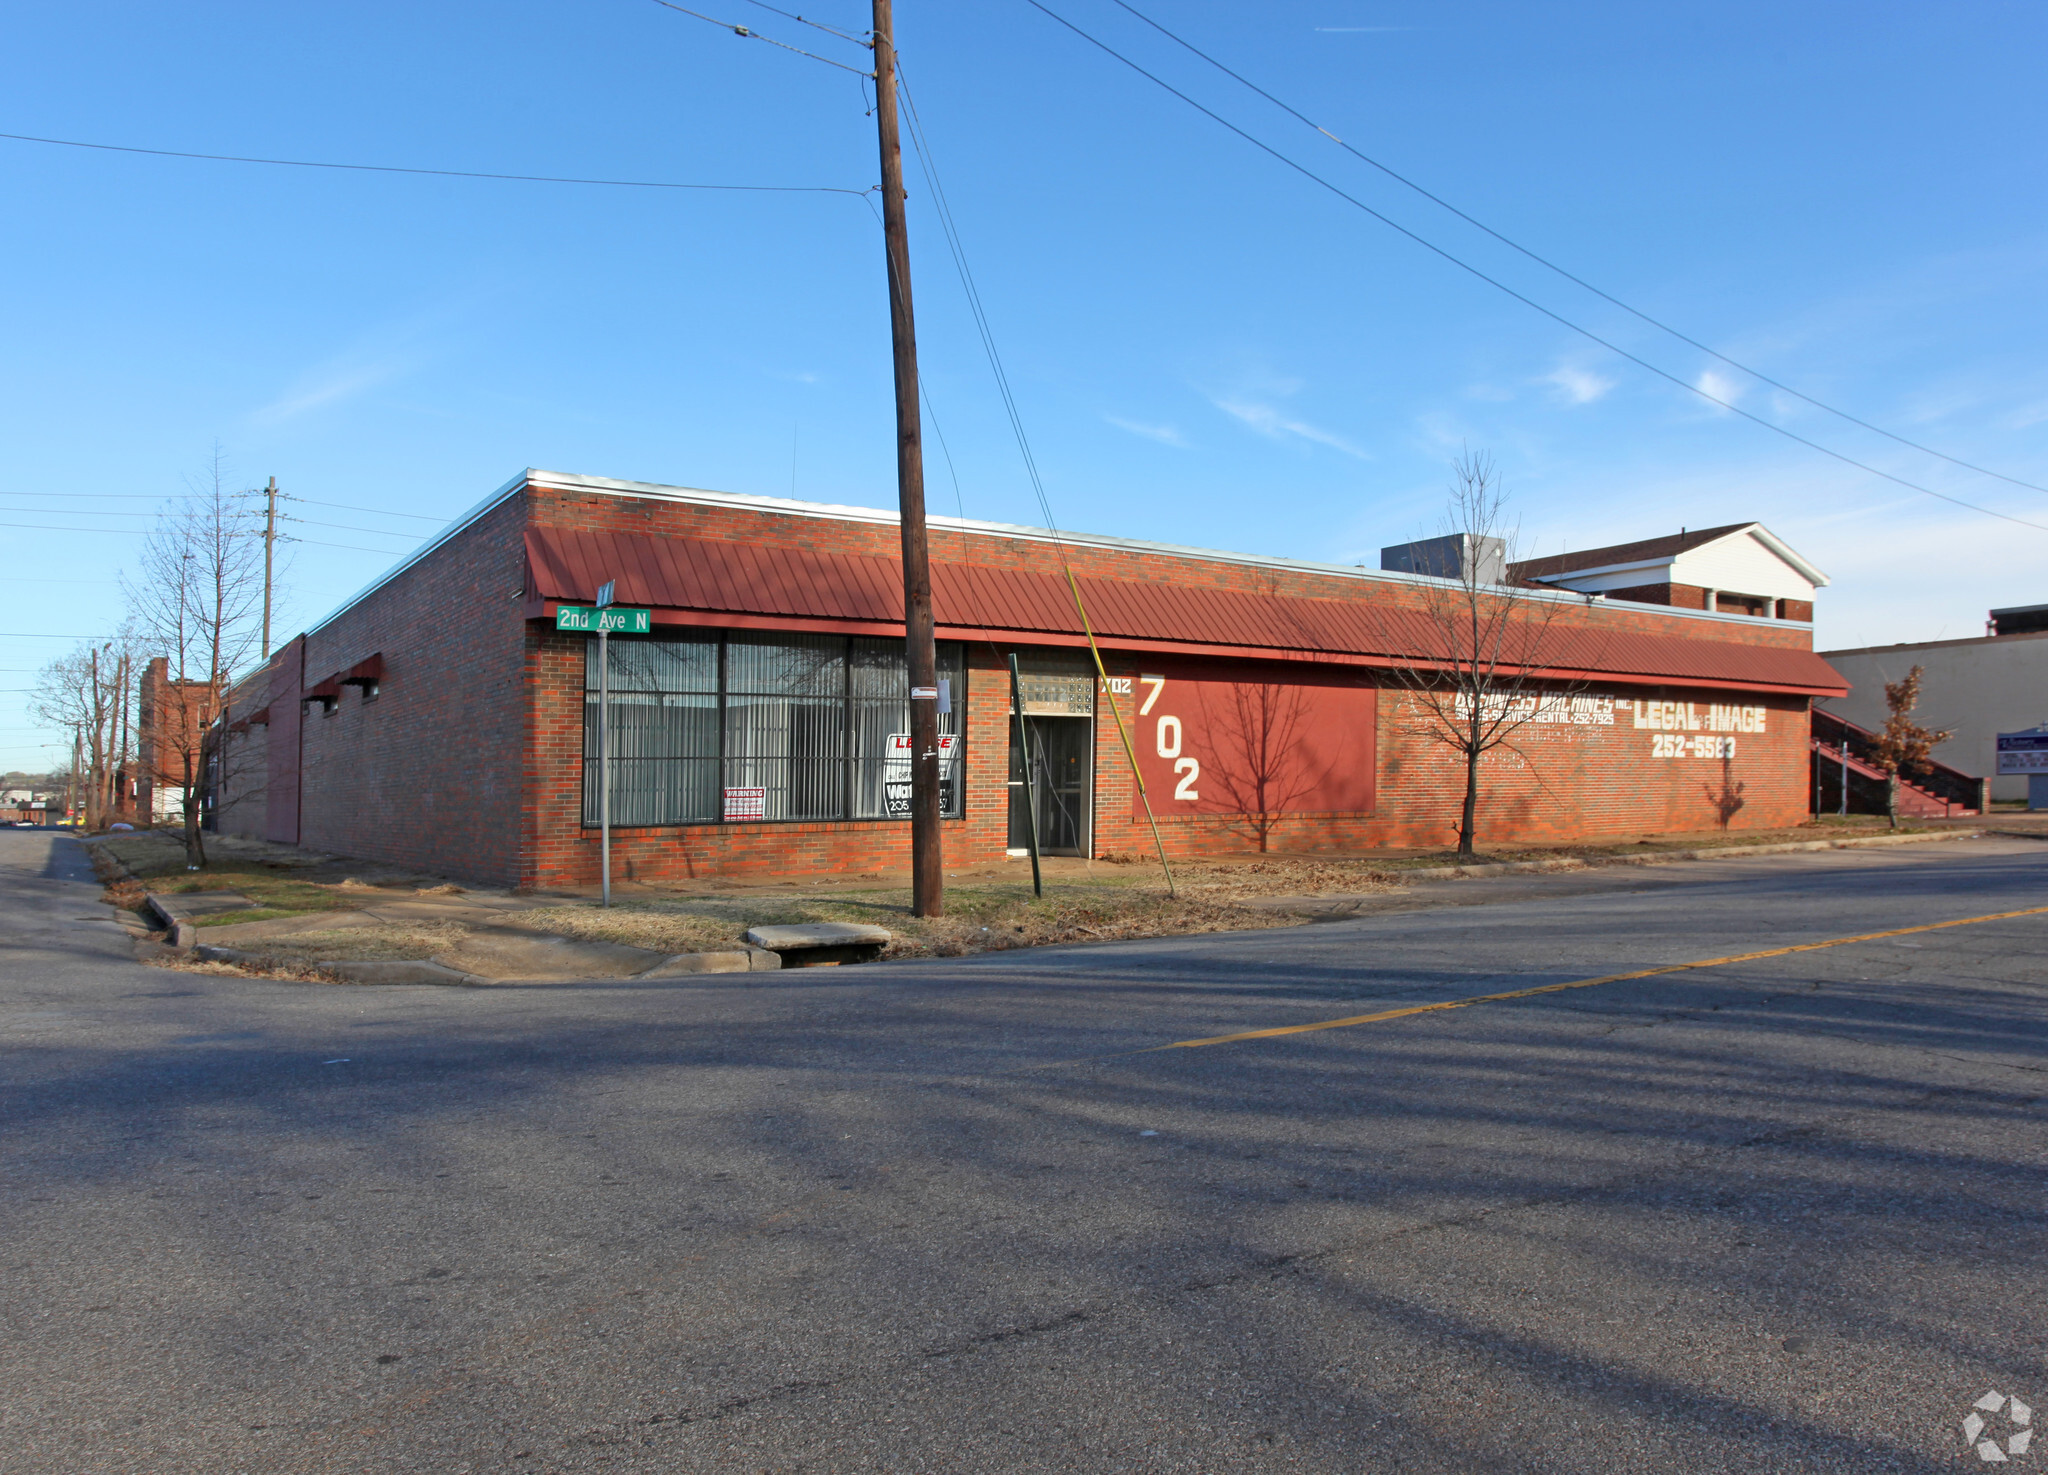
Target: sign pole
(1024, 758)
(604, 743)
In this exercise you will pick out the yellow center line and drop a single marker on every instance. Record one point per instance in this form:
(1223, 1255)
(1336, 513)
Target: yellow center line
(1549, 988)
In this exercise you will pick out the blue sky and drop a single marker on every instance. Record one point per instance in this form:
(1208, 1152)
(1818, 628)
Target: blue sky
(1206, 348)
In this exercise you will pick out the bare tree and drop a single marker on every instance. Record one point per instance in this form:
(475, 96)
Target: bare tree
(88, 693)
(1477, 684)
(1257, 733)
(1903, 745)
(197, 602)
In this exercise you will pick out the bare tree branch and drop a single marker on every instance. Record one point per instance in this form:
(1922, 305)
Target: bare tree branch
(196, 601)
(1479, 680)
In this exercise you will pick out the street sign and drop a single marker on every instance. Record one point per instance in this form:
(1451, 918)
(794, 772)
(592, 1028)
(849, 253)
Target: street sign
(604, 593)
(614, 621)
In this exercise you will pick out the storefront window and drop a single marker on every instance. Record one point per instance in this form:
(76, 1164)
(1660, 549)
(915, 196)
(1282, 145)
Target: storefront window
(771, 727)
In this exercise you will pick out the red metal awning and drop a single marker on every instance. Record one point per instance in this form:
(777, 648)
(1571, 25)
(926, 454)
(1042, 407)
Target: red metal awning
(691, 581)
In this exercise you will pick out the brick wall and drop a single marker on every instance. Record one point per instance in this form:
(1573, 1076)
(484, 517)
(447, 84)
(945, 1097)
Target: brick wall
(469, 760)
(429, 774)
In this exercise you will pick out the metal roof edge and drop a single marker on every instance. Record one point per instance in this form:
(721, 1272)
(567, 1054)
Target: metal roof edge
(612, 486)
(841, 512)
(1983, 640)
(1607, 568)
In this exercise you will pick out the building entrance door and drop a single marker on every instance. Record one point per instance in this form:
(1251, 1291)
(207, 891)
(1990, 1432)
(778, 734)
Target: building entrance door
(1061, 750)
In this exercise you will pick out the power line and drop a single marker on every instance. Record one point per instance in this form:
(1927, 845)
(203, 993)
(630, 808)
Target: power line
(752, 35)
(97, 496)
(152, 496)
(860, 40)
(120, 148)
(944, 211)
(104, 532)
(1569, 276)
(351, 547)
(1495, 282)
(340, 527)
(67, 512)
(345, 507)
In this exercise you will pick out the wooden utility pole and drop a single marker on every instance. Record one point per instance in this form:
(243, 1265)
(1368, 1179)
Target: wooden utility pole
(269, 547)
(927, 878)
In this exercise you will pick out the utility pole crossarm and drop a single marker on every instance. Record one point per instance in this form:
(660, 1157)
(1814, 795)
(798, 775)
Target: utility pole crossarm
(269, 550)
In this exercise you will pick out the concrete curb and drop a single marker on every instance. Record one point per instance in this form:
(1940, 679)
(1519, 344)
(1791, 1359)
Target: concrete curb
(712, 969)
(681, 970)
(1663, 857)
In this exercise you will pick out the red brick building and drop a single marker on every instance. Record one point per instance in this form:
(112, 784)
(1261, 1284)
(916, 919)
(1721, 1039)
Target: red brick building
(172, 717)
(441, 720)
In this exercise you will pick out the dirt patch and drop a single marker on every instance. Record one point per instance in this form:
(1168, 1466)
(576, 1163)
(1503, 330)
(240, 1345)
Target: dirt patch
(284, 972)
(979, 918)
(388, 942)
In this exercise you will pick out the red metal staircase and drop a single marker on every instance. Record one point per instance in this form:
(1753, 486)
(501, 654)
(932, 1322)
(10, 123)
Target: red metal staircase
(1841, 755)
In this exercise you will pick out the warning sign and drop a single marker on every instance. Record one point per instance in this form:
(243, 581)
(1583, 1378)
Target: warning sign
(746, 804)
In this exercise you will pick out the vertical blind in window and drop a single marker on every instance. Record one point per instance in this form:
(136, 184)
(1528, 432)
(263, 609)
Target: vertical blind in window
(808, 720)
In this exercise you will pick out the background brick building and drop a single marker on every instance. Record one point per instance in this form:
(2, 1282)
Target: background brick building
(440, 720)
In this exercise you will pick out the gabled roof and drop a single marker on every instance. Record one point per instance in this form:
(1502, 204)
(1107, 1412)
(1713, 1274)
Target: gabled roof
(1658, 550)
(1648, 550)
(752, 585)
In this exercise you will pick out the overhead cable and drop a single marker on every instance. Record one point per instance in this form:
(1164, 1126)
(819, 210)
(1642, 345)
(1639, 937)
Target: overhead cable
(1530, 302)
(375, 511)
(1569, 276)
(46, 528)
(122, 148)
(351, 547)
(817, 25)
(341, 527)
(753, 35)
(929, 165)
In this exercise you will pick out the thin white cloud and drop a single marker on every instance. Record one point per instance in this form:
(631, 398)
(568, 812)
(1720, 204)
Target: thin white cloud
(335, 384)
(1166, 435)
(1578, 386)
(2027, 415)
(1270, 420)
(1719, 386)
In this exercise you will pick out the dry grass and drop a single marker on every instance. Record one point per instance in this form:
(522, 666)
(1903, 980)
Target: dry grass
(284, 972)
(281, 881)
(979, 918)
(384, 942)
(1122, 897)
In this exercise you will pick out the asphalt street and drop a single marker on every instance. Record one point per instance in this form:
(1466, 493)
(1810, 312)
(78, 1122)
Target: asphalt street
(1781, 1215)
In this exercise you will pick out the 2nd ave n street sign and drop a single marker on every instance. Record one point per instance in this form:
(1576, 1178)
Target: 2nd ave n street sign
(613, 621)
